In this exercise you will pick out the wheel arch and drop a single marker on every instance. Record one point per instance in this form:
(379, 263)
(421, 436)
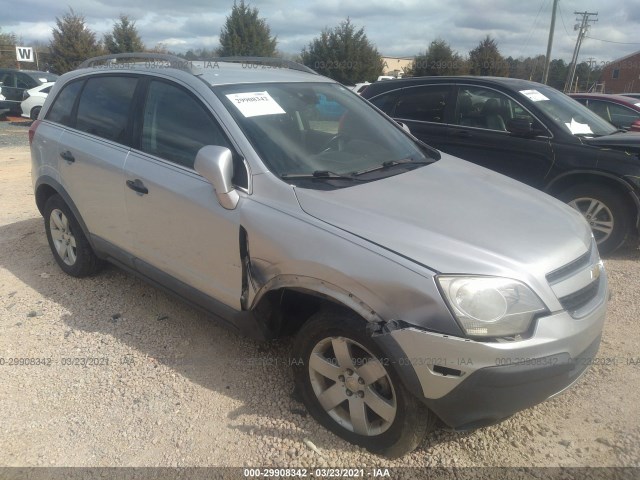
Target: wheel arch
(558, 184)
(45, 188)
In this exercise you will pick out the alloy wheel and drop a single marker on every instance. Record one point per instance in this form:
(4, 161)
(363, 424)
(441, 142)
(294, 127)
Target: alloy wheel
(62, 236)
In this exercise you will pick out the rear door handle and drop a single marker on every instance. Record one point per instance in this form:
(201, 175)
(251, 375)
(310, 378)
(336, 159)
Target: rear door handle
(462, 133)
(68, 156)
(137, 186)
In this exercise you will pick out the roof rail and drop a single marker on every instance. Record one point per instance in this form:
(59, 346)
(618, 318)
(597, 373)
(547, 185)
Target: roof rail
(276, 62)
(188, 65)
(173, 60)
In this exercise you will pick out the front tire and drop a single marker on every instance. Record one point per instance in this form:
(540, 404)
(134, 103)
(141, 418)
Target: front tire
(351, 389)
(69, 246)
(35, 111)
(605, 210)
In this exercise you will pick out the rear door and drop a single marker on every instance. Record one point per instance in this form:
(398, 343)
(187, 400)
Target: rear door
(424, 109)
(92, 152)
(179, 229)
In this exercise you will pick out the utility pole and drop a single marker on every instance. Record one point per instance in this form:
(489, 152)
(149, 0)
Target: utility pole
(547, 60)
(583, 27)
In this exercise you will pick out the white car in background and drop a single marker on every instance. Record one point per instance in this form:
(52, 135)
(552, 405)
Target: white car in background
(359, 87)
(33, 99)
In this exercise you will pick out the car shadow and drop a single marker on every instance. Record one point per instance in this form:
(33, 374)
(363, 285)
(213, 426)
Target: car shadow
(161, 329)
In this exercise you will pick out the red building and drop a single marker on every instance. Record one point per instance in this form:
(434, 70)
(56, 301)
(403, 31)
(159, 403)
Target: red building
(622, 75)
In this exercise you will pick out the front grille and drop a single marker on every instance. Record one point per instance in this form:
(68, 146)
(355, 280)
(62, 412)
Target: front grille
(576, 300)
(570, 268)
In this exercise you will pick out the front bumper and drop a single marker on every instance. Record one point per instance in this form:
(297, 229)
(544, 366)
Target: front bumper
(470, 384)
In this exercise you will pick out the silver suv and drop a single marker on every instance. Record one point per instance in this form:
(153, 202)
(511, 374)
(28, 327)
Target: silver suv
(419, 286)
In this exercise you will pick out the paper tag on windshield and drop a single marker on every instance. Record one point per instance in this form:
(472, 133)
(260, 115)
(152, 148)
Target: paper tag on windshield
(577, 128)
(254, 104)
(533, 95)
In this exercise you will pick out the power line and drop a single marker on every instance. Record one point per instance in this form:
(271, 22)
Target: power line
(611, 41)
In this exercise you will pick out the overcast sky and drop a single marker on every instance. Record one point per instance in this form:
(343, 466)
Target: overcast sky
(397, 27)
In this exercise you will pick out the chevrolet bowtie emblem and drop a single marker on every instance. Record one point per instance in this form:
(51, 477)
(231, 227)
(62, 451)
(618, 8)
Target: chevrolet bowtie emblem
(595, 271)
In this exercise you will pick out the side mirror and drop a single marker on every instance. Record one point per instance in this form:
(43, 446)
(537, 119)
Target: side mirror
(521, 127)
(215, 163)
(404, 126)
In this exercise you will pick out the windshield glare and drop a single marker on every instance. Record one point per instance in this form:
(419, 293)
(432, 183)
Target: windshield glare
(302, 128)
(571, 115)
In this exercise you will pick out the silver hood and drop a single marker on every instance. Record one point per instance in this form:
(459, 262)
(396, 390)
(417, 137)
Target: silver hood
(456, 217)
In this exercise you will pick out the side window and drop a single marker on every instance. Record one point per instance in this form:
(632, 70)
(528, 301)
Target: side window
(8, 80)
(386, 102)
(484, 108)
(46, 90)
(104, 107)
(25, 81)
(616, 114)
(425, 104)
(175, 126)
(60, 111)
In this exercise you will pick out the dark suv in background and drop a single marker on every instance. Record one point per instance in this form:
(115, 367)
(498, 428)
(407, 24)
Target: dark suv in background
(532, 133)
(13, 83)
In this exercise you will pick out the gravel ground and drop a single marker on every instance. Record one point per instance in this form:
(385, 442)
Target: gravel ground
(165, 386)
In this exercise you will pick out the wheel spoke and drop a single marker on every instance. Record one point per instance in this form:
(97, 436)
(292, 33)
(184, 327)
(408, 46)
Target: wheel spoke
(605, 227)
(372, 371)
(380, 405)
(56, 234)
(593, 209)
(72, 241)
(65, 222)
(71, 255)
(61, 248)
(342, 350)
(332, 397)
(55, 216)
(358, 415)
(324, 367)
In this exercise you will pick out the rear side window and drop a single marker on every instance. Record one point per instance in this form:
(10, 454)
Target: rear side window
(104, 107)
(60, 111)
(425, 104)
(175, 125)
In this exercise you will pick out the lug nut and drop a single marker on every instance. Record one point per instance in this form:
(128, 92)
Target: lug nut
(349, 393)
(361, 381)
(349, 372)
(341, 378)
(360, 394)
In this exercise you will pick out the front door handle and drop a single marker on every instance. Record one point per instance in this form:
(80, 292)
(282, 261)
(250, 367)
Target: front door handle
(137, 186)
(68, 156)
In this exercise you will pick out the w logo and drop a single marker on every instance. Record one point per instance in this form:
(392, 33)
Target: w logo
(24, 54)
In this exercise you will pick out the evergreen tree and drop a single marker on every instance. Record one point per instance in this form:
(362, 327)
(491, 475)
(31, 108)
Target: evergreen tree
(486, 59)
(439, 59)
(72, 43)
(245, 34)
(124, 37)
(7, 49)
(344, 54)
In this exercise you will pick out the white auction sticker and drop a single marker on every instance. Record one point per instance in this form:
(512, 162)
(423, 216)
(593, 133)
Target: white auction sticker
(533, 95)
(253, 104)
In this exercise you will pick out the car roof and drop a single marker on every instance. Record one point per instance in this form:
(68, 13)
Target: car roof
(510, 83)
(217, 71)
(606, 96)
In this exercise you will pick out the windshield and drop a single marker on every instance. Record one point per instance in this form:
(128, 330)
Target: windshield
(566, 112)
(319, 130)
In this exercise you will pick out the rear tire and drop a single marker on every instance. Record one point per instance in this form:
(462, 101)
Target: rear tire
(605, 209)
(351, 389)
(69, 246)
(35, 111)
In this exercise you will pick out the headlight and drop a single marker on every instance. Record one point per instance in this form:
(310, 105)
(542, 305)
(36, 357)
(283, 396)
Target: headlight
(490, 306)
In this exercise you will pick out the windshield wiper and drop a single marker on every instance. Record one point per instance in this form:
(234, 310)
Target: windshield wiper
(320, 174)
(394, 163)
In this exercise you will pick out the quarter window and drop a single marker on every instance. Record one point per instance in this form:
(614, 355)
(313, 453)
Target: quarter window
(60, 111)
(425, 104)
(105, 105)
